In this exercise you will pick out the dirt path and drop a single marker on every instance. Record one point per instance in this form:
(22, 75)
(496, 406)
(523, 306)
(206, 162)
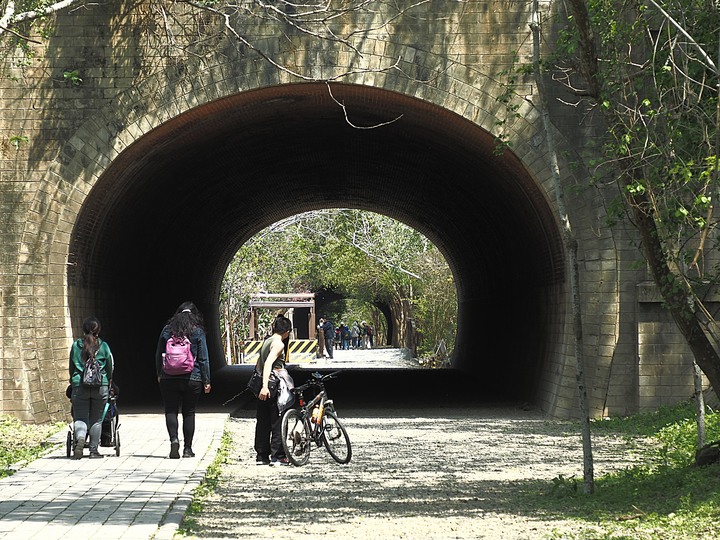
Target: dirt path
(418, 474)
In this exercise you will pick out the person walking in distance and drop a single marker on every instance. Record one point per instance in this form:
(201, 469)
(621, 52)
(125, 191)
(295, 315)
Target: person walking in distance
(355, 335)
(182, 380)
(268, 437)
(345, 335)
(329, 332)
(88, 401)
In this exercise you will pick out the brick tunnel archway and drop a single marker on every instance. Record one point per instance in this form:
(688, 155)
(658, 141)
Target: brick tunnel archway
(165, 218)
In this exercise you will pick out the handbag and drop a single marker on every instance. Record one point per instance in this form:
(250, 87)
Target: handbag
(286, 393)
(255, 384)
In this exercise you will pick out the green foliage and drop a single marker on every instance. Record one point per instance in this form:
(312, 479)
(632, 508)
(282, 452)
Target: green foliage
(207, 486)
(656, 75)
(72, 77)
(361, 256)
(660, 497)
(679, 440)
(674, 429)
(22, 442)
(661, 110)
(510, 79)
(17, 140)
(649, 423)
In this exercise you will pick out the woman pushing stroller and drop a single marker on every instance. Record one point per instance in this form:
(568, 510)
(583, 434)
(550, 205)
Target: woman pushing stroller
(89, 397)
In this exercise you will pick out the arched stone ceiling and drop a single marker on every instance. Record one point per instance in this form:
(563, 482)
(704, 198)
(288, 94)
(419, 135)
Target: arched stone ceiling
(164, 220)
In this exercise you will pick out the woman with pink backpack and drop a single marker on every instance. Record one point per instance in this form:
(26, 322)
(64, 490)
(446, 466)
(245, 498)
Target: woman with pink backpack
(183, 372)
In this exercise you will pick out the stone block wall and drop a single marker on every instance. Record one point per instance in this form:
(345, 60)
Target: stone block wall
(449, 54)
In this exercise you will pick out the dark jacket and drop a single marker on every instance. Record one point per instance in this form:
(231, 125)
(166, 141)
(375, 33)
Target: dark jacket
(328, 330)
(198, 347)
(77, 364)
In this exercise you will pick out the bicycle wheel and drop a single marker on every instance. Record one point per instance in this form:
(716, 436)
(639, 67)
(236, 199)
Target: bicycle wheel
(296, 437)
(336, 438)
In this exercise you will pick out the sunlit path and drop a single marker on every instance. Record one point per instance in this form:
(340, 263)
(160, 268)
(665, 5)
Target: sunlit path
(365, 359)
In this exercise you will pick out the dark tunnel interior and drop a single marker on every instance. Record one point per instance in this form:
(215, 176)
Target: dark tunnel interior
(162, 223)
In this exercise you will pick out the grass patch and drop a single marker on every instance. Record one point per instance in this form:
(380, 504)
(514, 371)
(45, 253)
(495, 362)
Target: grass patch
(21, 443)
(189, 523)
(665, 497)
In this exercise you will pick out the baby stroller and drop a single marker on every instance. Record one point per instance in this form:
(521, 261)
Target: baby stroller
(110, 436)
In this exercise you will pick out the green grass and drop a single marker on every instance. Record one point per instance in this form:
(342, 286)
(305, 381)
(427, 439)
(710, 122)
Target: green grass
(22, 443)
(206, 487)
(665, 497)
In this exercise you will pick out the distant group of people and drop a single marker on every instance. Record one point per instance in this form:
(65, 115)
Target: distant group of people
(359, 335)
(91, 372)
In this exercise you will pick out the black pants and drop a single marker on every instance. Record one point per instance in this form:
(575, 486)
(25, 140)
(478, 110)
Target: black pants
(329, 346)
(180, 394)
(268, 430)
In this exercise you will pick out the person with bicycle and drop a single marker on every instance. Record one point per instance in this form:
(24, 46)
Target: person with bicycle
(268, 437)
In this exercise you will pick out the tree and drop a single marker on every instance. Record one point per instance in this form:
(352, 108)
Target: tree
(648, 71)
(570, 243)
(360, 255)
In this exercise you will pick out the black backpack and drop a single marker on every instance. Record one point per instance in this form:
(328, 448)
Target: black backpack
(92, 374)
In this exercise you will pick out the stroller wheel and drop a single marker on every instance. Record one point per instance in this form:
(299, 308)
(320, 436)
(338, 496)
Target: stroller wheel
(69, 443)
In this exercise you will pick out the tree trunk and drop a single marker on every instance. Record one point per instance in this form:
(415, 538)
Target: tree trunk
(571, 250)
(402, 312)
(228, 335)
(674, 292)
(700, 404)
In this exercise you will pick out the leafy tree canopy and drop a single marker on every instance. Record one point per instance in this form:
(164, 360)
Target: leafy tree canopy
(358, 255)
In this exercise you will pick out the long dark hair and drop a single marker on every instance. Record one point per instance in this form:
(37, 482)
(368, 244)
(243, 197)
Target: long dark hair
(185, 320)
(91, 342)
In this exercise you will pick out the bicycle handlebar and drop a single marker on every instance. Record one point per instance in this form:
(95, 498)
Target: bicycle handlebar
(319, 376)
(317, 381)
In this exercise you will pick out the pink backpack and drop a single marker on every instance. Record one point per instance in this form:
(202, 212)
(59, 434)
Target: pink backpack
(178, 358)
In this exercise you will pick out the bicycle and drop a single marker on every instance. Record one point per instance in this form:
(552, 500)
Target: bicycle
(314, 423)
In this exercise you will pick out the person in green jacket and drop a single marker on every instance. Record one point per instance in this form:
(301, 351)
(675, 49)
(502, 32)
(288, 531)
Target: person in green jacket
(88, 402)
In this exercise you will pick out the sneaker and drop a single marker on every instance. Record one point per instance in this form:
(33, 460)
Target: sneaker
(262, 460)
(94, 454)
(187, 452)
(174, 449)
(281, 461)
(78, 452)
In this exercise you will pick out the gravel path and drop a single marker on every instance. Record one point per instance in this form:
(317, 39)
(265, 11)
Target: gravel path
(415, 474)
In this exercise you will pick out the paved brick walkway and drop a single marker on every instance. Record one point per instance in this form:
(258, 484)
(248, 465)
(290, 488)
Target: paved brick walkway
(141, 494)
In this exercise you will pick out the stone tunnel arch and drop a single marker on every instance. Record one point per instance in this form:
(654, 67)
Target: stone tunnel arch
(162, 222)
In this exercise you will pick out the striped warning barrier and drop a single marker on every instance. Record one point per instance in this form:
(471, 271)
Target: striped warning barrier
(251, 352)
(301, 350)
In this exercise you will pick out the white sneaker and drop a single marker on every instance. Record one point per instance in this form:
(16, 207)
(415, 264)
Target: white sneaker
(78, 452)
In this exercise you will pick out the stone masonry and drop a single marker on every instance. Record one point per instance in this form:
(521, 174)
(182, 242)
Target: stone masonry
(69, 148)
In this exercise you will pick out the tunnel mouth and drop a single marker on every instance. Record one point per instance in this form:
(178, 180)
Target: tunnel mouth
(379, 282)
(166, 216)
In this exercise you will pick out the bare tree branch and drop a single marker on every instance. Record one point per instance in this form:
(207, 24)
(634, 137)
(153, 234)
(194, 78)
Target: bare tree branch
(684, 32)
(228, 25)
(342, 106)
(11, 19)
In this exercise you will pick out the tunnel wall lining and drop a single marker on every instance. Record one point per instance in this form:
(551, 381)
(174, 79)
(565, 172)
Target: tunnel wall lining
(48, 191)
